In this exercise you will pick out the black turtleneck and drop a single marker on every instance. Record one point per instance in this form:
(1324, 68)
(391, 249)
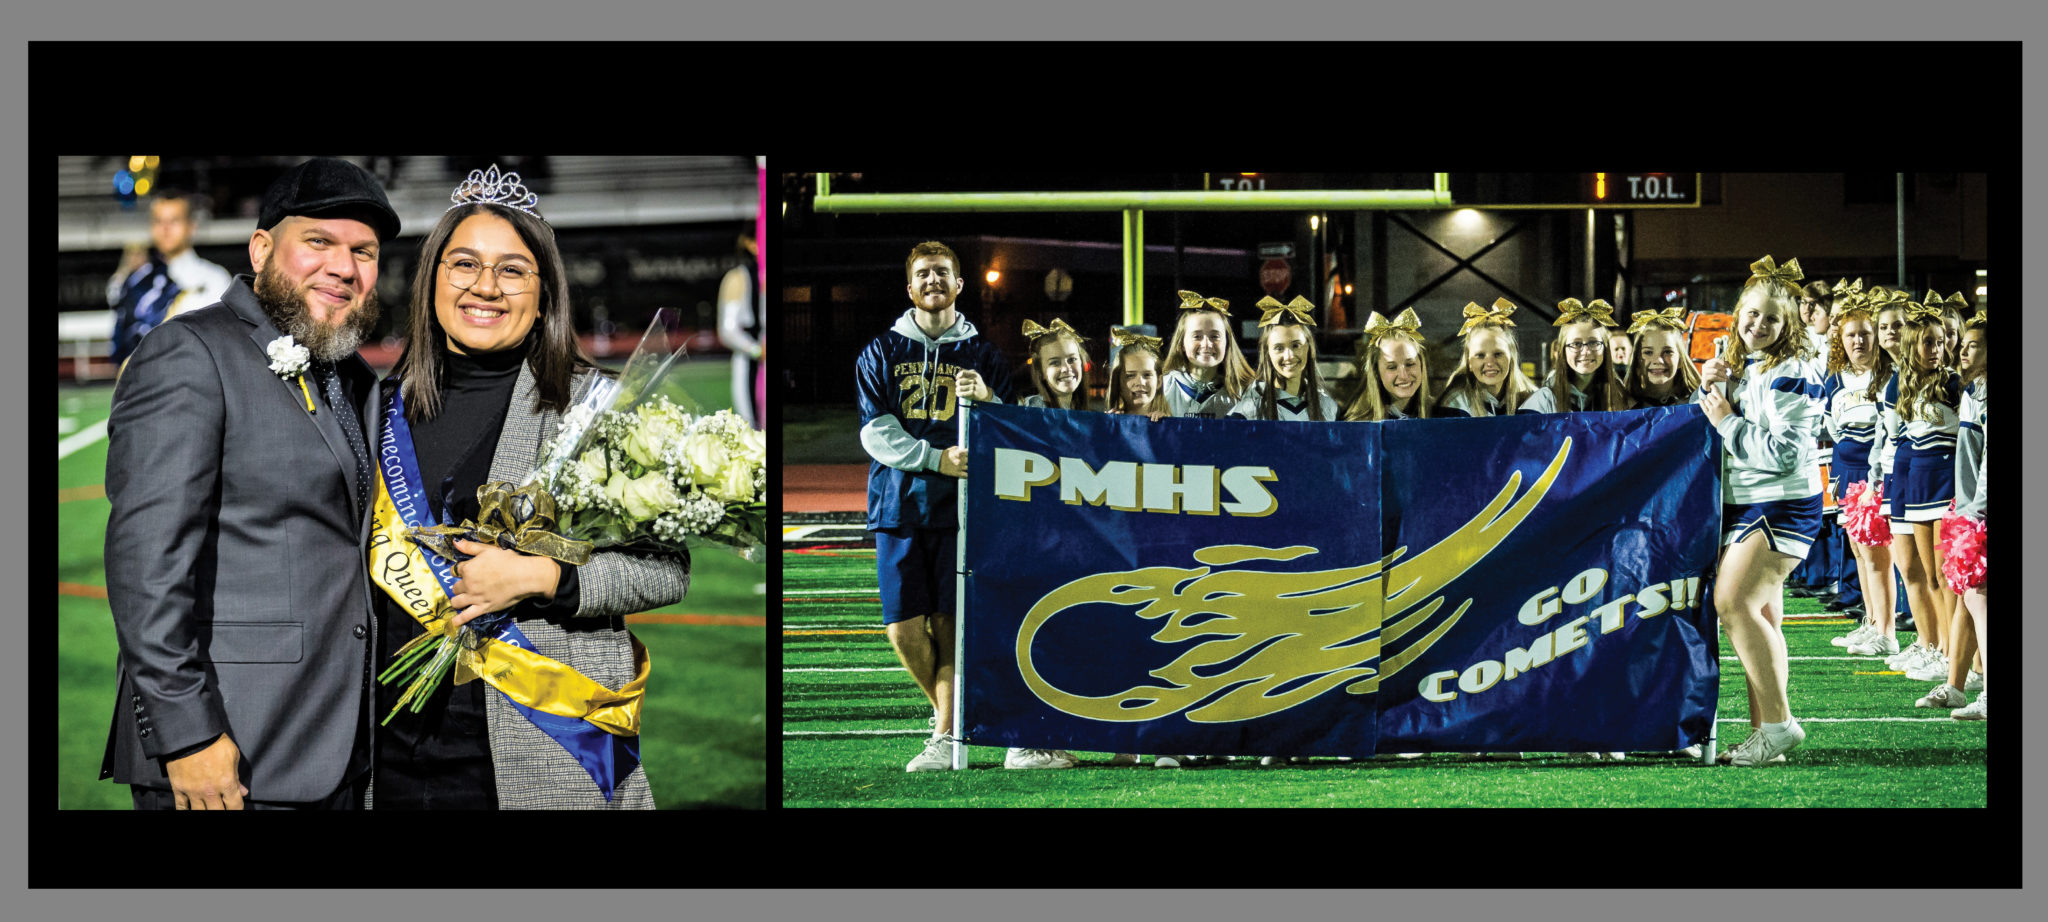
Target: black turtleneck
(440, 757)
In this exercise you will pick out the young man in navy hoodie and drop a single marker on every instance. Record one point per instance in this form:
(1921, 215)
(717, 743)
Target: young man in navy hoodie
(908, 380)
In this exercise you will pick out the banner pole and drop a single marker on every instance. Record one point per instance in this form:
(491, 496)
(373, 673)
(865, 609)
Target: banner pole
(960, 609)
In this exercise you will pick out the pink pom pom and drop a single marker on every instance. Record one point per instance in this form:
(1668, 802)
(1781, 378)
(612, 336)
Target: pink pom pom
(1863, 516)
(1962, 543)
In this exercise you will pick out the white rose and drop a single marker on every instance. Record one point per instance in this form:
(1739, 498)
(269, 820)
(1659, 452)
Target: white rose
(653, 432)
(707, 457)
(753, 446)
(615, 488)
(593, 466)
(735, 486)
(649, 496)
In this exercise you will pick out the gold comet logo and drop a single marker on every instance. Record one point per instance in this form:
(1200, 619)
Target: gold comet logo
(1292, 636)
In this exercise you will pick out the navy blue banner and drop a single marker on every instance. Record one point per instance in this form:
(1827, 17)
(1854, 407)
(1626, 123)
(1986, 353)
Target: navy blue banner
(1237, 587)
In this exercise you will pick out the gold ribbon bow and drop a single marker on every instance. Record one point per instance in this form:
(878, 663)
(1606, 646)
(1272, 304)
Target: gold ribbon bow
(1672, 317)
(1034, 332)
(1377, 326)
(1976, 322)
(1496, 316)
(1766, 269)
(515, 518)
(1125, 340)
(1922, 313)
(1299, 307)
(1570, 310)
(1956, 301)
(1189, 301)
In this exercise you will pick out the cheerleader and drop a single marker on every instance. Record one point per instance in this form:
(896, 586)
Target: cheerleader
(1582, 374)
(1770, 492)
(1851, 417)
(1970, 498)
(1205, 371)
(1815, 305)
(1919, 413)
(1393, 371)
(1134, 381)
(1288, 385)
(1489, 379)
(1059, 363)
(1620, 352)
(1663, 375)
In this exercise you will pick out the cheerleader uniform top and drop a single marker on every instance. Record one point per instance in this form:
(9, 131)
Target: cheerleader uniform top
(1286, 407)
(1545, 401)
(1457, 400)
(1040, 402)
(1187, 397)
(904, 385)
(1935, 431)
(1970, 452)
(1851, 417)
(1768, 450)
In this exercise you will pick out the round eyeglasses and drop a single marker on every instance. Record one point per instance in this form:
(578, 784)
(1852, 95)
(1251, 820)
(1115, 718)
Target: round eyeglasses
(512, 278)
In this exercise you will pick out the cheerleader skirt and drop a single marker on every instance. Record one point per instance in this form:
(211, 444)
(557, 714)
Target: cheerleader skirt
(1789, 526)
(1921, 490)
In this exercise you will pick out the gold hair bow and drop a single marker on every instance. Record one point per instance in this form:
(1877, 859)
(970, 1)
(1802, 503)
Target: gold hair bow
(1975, 322)
(1672, 317)
(1766, 269)
(1377, 326)
(1299, 307)
(1189, 301)
(1922, 313)
(1570, 310)
(1034, 332)
(1125, 339)
(1480, 316)
(1956, 301)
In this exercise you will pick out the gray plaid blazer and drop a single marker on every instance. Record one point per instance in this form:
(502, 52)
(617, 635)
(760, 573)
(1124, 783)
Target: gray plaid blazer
(533, 771)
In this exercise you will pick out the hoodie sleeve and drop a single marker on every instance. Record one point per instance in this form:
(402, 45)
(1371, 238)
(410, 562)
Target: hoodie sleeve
(881, 431)
(1888, 424)
(1779, 414)
(1970, 458)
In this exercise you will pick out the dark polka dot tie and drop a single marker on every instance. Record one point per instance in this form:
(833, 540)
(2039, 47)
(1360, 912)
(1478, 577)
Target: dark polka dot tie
(345, 414)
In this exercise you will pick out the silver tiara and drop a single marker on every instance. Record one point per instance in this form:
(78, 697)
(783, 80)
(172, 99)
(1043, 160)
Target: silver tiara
(493, 188)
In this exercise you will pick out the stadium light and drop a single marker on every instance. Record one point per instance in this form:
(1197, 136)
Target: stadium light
(993, 275)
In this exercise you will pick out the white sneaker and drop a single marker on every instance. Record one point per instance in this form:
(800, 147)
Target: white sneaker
(1975, 711)
(1599, 756)
(1935, 669)
(1909, 656)
(1862, 633)
(937, 756)
(1166, 762)
(1766, 746)
(1273, 760)
(1038, 758)
(1124, 758)
(1693, 751)
(1875, 645)
(1943, 696)
(1727, 756)
(1974, 682)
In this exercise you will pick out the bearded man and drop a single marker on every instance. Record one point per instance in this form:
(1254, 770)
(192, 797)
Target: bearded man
(239, 477)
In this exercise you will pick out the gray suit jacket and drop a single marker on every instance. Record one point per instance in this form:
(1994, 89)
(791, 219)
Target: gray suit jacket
(533, 771)
(228, 559)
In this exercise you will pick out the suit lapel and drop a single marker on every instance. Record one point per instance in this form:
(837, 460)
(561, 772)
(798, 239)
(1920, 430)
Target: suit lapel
(242, 300)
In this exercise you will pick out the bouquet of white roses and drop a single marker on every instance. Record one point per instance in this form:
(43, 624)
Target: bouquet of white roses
(636, 462)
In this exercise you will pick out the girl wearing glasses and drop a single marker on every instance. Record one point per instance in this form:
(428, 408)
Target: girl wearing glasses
(1582, 376)
(1770, 492)
(490, 365)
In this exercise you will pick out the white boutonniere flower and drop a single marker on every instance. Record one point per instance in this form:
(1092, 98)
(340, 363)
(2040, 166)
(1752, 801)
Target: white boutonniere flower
(289, 360)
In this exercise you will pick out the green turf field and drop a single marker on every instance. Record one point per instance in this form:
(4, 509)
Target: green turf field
(852, 719)
(704, 721)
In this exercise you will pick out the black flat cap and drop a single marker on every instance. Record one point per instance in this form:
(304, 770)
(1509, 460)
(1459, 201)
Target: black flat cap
(327, 187)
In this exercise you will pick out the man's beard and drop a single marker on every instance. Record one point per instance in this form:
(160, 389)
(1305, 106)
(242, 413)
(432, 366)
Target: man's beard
(287, 309)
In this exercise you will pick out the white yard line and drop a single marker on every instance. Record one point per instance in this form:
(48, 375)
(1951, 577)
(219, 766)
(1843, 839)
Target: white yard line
(1725, 720)
(843, 669)
(72, 444)
(854, 590)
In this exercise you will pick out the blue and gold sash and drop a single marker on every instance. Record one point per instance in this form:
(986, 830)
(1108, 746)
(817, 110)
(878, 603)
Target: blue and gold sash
(599, 727)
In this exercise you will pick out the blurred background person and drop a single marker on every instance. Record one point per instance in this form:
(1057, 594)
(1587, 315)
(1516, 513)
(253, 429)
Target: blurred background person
(159, 280)
(739, 327)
